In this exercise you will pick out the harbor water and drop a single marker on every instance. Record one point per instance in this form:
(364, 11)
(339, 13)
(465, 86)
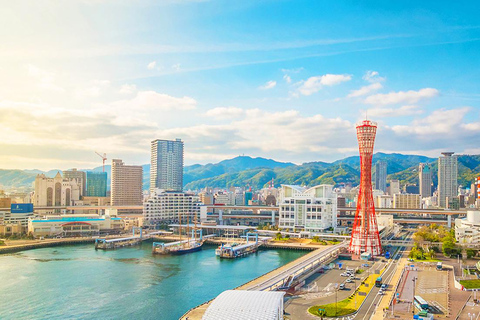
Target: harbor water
(79, 282)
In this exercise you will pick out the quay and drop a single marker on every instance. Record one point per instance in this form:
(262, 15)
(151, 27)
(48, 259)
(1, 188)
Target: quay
(299, 269)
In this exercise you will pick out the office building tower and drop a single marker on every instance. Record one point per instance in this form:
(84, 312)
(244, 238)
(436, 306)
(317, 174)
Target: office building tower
(96, 184)
(425, 180)
(381, 175)
(126, 184)
(166, 168)
(447, 178)
(79, 177)
(365, 236)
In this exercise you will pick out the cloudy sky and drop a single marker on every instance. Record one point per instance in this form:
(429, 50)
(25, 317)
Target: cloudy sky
(280, 79)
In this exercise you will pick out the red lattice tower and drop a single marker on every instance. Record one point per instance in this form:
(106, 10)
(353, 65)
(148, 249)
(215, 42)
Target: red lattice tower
(365, 237)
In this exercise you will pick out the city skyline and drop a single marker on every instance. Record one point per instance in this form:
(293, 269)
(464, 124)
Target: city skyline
(230, 79)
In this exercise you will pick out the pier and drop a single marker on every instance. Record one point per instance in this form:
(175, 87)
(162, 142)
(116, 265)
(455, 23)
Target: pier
(233, 251)
(106, 244)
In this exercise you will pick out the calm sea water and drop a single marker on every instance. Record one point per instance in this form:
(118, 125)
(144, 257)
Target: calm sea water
(77, 282)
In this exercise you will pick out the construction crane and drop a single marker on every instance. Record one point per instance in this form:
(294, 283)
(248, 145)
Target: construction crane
(104, 158)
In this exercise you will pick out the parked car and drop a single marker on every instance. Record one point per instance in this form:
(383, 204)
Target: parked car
(381, 292)
(365, 265)
(383, 287)
(348, 280)
(342, 287)
(344, 274)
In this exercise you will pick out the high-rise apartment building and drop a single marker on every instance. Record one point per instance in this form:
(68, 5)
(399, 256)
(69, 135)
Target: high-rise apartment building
(126, 184)
(96, 184)
(166, 168)
(79, 177)
(425, 180)
(381, 175)
(447, 178)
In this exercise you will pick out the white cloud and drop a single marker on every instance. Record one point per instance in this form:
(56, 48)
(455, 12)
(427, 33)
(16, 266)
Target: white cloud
(409, 97)
(365, 90)
(287, 78)
(393, 112)
(373, 76)
(127, 89)
(225, 112)
(94, 90)
(152, 65)
(294, 70)
(46, 79)
(176, 67)
(269, 85)
(154, 101)
(442, 121)
(314, 84)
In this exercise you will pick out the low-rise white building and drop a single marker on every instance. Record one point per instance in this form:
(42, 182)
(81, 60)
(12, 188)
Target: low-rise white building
(313, 209)
(168, 206)
(467, 230)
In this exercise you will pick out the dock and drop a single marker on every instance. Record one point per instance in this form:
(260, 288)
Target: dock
(106, 244)
(232, 251)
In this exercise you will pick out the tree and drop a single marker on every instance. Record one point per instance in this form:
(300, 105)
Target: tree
(471, 253)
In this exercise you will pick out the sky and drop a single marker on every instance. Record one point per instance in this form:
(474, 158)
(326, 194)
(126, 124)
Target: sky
(286, 80)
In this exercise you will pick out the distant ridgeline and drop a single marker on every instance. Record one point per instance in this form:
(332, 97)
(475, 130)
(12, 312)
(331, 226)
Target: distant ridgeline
(258, 172)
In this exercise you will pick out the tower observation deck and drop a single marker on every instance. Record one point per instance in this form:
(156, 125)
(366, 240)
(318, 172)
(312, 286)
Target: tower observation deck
(365, 237)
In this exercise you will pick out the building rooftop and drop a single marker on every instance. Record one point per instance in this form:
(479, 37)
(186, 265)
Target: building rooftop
(70, 219)
(240, 304)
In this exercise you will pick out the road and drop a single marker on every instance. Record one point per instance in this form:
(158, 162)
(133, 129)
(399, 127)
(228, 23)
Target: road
(373, 299)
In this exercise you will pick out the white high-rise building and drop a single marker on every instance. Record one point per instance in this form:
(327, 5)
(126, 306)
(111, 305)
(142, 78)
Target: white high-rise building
(166, 168)
(313, 209)
(425, 180)
(170, 206)
(447, 178)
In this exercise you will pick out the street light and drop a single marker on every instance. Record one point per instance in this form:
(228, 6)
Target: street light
(413, 299)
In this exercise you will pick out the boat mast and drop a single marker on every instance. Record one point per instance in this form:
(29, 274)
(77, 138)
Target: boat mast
(180, 225)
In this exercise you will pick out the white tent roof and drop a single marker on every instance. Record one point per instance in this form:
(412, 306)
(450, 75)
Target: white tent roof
(246, 305)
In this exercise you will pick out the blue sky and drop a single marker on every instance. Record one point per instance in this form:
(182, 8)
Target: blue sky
(286, 80)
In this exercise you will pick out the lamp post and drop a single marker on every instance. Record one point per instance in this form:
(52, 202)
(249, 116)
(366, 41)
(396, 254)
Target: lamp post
(336, 291)
(413, 298)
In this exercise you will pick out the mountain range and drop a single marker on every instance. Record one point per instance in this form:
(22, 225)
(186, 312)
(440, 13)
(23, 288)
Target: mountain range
(258, 172)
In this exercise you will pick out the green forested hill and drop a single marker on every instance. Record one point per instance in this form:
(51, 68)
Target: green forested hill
(257, 172)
